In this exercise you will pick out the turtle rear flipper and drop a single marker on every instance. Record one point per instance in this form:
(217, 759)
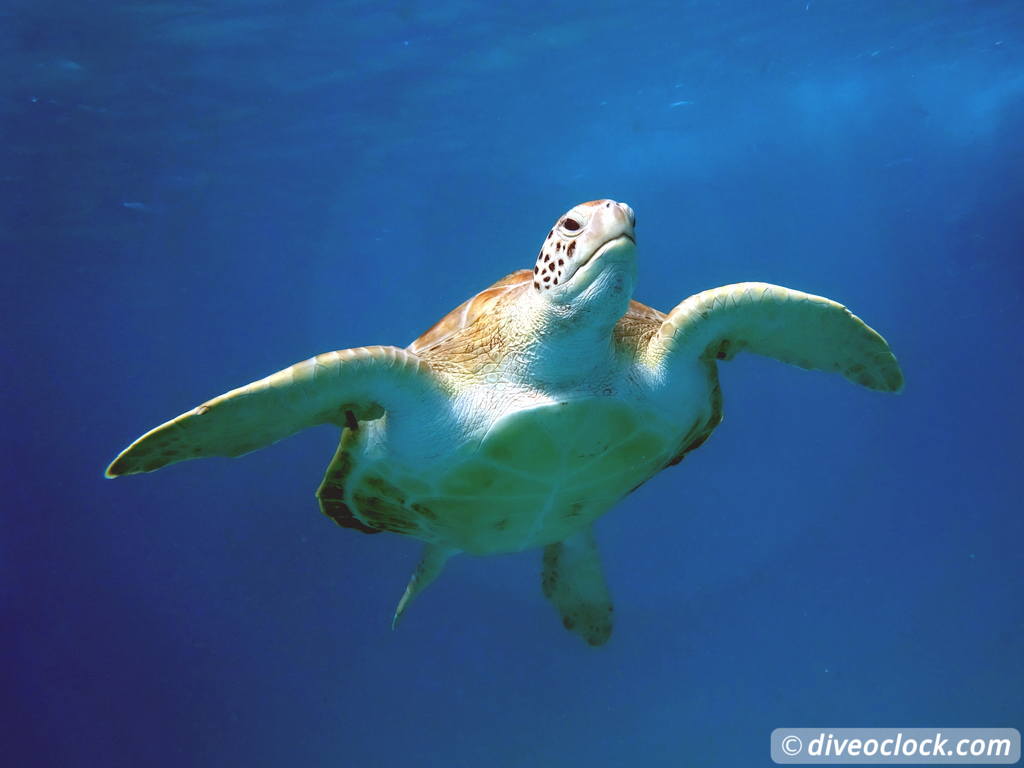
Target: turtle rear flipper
(365, 381)
(430, 566)
(573, 581)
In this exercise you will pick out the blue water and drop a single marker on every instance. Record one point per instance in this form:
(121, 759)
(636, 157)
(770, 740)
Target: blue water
(195, 195)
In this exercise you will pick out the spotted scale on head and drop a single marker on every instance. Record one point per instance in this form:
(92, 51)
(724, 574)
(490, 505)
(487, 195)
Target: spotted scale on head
(576, 237)
(555, 259)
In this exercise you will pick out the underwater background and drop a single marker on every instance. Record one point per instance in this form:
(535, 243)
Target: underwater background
(196, 194)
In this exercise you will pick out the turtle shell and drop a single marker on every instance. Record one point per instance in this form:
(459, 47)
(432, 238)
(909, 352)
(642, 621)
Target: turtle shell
(539, 474)
(631, 332)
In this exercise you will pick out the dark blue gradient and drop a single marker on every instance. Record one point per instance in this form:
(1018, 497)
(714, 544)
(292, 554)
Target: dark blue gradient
(197, 194)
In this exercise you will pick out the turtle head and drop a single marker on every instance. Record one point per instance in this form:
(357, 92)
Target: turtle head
(588, 260)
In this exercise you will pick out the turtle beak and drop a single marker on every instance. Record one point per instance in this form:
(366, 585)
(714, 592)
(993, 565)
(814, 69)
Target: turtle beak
(619, 225)
(630, 216)
(628, 221)
(615, 249)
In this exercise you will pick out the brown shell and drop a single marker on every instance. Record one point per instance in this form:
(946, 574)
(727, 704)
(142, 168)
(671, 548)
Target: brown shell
(485, 500)
(632, 331)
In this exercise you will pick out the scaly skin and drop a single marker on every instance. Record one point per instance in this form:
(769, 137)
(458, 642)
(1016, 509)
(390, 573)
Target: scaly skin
(529, 410)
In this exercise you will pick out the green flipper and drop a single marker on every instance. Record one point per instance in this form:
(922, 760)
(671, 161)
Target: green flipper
(792, 326)
(365, 381)
(430, 567)
(574, 582)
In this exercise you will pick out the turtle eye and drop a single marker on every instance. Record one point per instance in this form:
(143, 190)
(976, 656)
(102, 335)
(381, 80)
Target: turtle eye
(571, 224)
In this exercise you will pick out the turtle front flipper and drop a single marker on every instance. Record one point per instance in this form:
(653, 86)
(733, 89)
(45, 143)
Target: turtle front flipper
(791, 326)
(573, 581)
(365, 381)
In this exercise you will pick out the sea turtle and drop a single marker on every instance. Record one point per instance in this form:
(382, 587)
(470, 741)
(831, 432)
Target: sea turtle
(529, 410)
